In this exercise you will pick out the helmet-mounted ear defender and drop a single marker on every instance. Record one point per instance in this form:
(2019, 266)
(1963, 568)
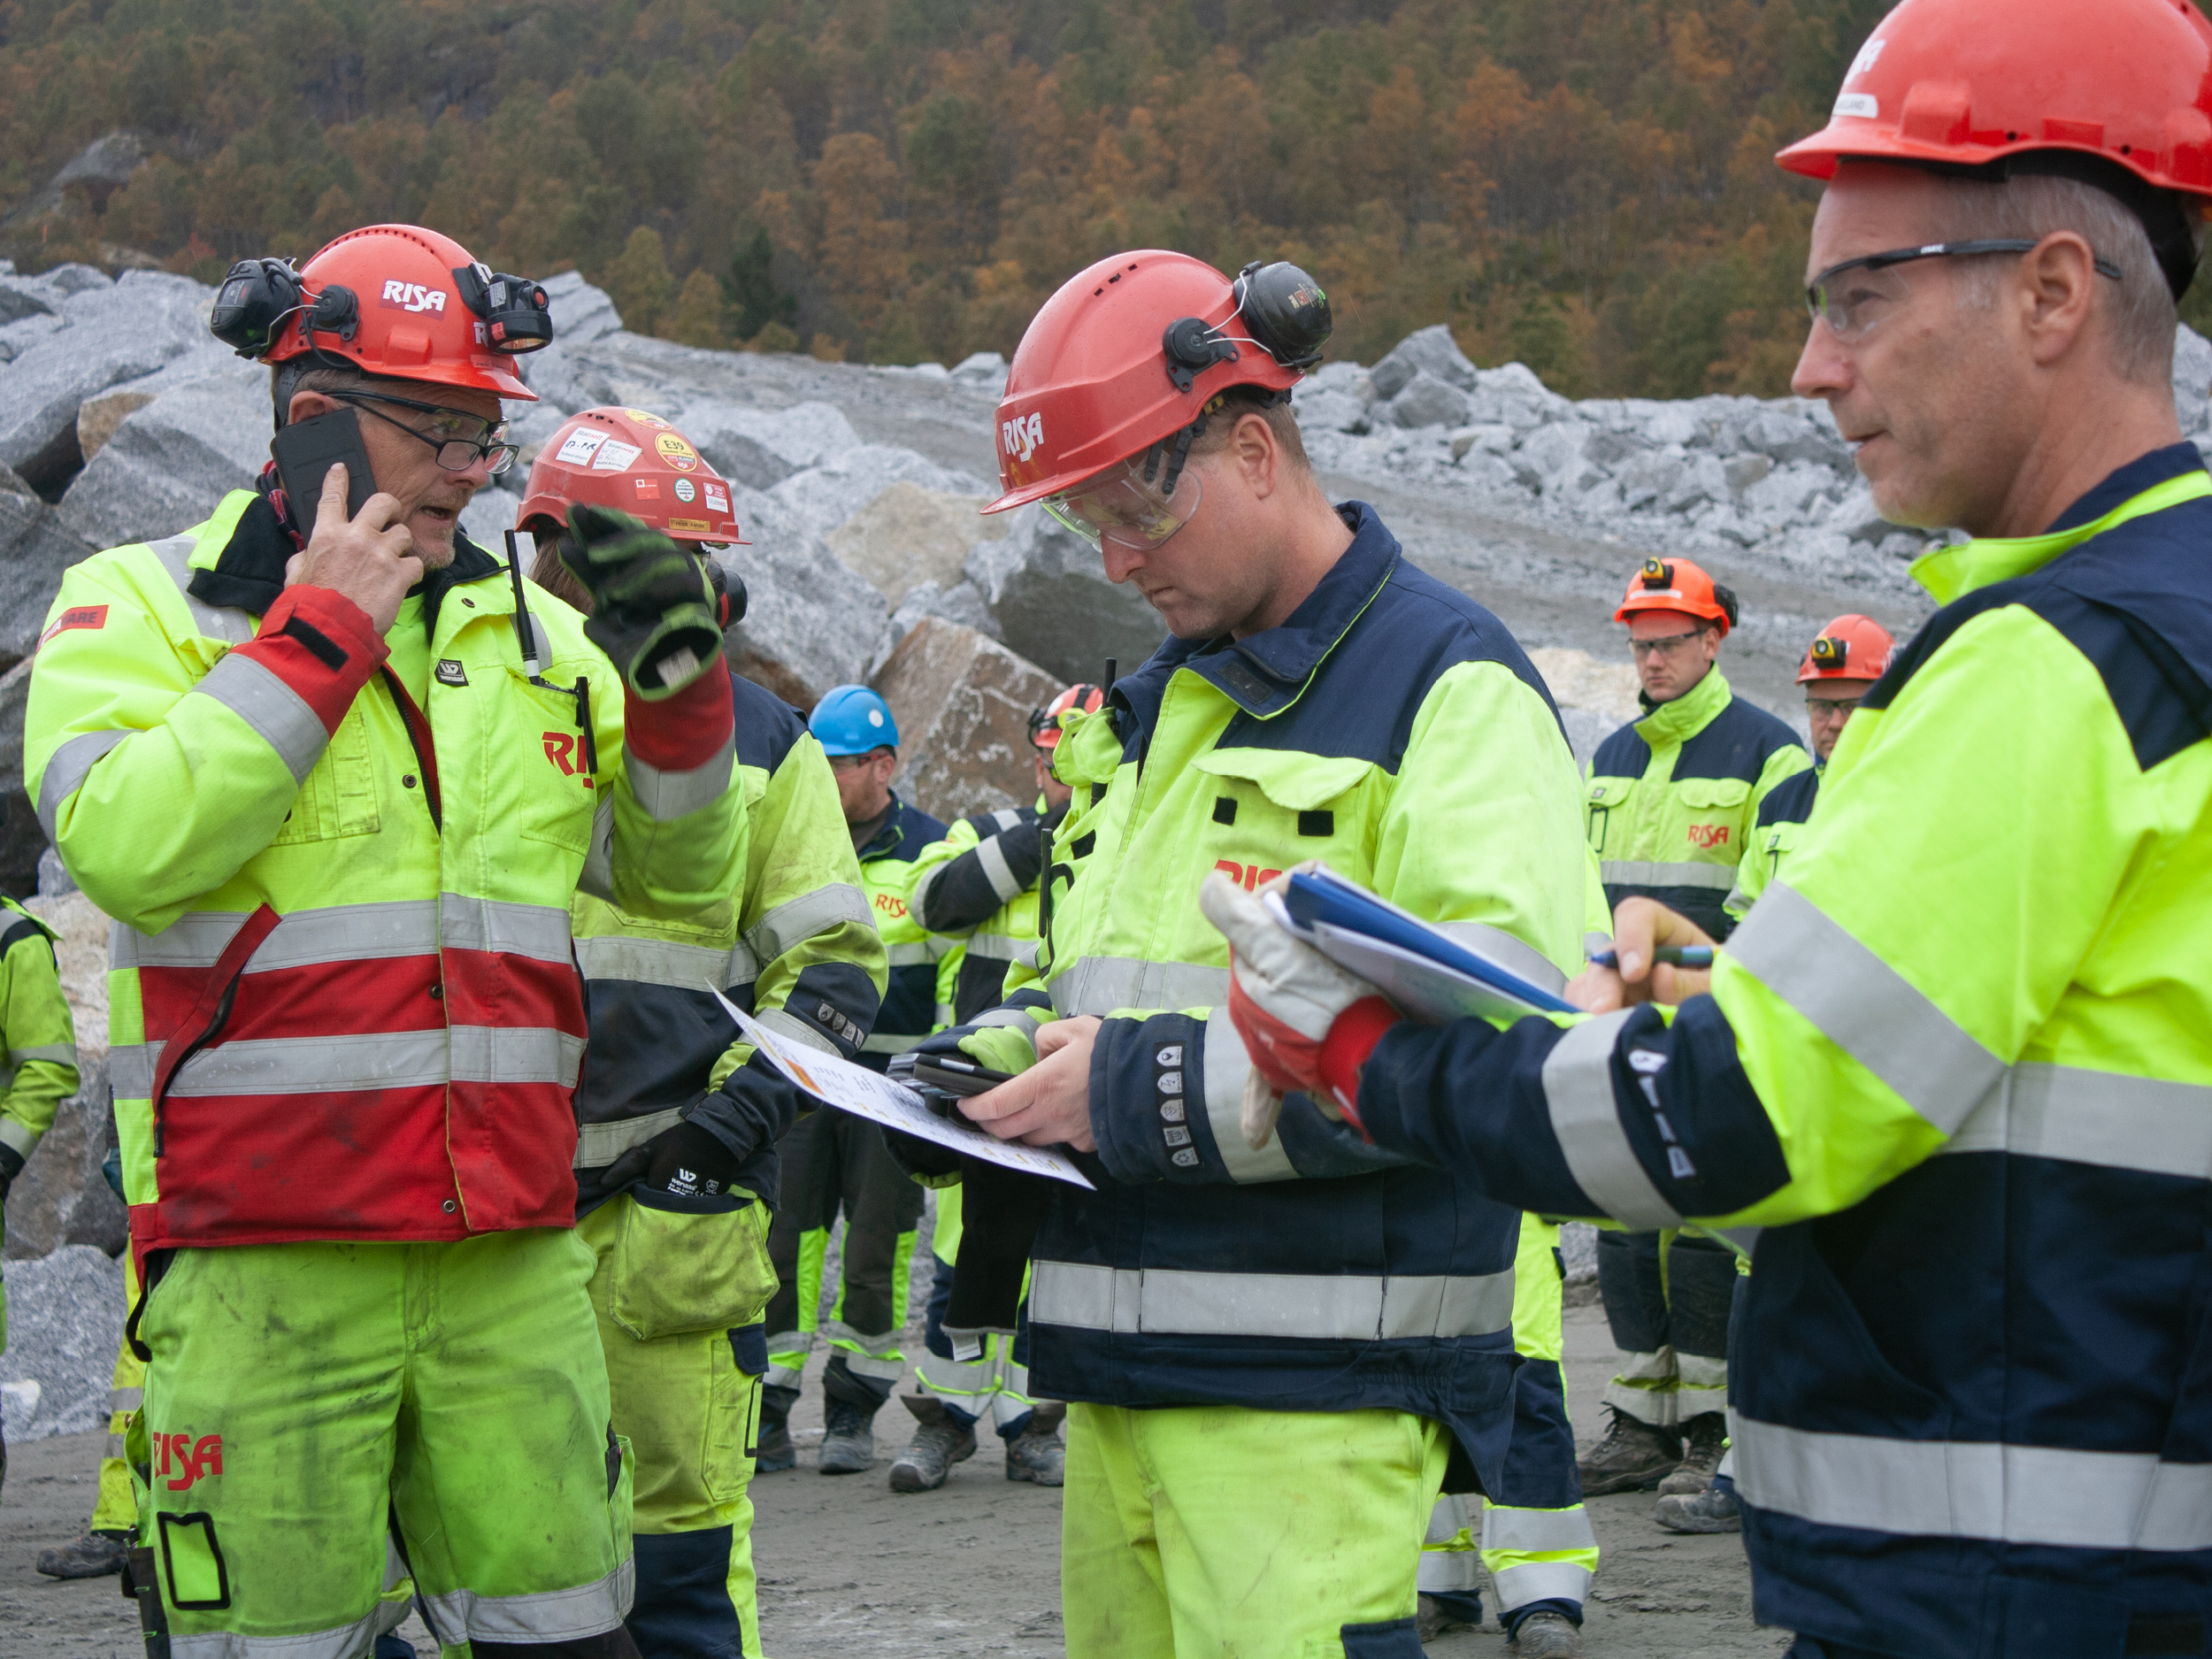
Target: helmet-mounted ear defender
(259, 296)
(517, 318)
(1725, 598)
(1284, 312)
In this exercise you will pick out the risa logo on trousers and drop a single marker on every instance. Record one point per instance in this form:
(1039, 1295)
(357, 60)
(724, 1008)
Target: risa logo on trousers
(1020, 436)
(412, 296)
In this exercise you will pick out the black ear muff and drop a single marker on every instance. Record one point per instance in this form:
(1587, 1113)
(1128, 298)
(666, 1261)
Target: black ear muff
(256, 297)
(1725, 598)
(1284, 311)
(1193, 347)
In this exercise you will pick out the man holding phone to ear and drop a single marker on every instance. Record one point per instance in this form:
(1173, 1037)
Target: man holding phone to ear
(338, 793)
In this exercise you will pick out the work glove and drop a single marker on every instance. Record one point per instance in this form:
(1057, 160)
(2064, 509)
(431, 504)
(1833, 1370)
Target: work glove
(654, 609)
(683, 1159)
(1307, 1025)
(1001, 1047)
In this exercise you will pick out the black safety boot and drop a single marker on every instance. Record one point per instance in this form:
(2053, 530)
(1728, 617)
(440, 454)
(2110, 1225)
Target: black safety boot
(1711, 1511)
(1704, 1439)
(848, 1438)
(940, 1442)
(1633, 1456)
(94, 1555)
(774, 1451)
(1038, 1453)
(1546, 1635)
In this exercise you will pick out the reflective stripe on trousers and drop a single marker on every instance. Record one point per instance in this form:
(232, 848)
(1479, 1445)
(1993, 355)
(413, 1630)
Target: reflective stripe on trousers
(2018, 1494)
(1346, 1308)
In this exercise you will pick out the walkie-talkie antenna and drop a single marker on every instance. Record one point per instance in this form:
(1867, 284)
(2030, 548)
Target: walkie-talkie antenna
(526, 632)
(1107, 690)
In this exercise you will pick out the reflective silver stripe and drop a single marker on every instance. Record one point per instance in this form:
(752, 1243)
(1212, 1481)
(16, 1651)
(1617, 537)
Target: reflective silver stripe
(283, 720)
(1329, 1307)
(1004, 819)
(195, 940)
(1541, 1581)
(887, 1042)
(798, 920)
(1099, 985)
(342, 1643)
(669, 795)
(66, 772)
(215, 622)
(2022, 1494)
(131, 1069)
(1227, 1065)
(992, 860)
(597, 875)
(19, 1137)
(1578, 1089)
(1507, 952)
(516, 1054)
(538, 931)
(1447, 1571)
(59, 1053)
(1003, 947)
(637, 961)
(864, 1365)
(341, 933)
(1025, 1021)
(1616, 874)
(910, 956)
(552, 1616)
(1452, 1513)
(1737, 902)
(793, 1029)
(2143, 1124)
(311, 1065)
(598, 1145)
(1537, 1531)
(1864, 1006)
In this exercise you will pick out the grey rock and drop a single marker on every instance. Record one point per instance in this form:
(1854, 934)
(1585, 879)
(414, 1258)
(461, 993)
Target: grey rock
(1047, 586)
(821, 497)
(760, 447)
(1744, 470)
(79, 279)
(1783, 495)
(962, 703)
(64, 1325)
(1430, 350)
(1648, 479)
(171, 461)
(908, 535)
(581, 313)
(1558, 455)
(1703, 479)
(1492, 440)
(981, 368)
(22, 297)
(1325, 410)
(62, 1197)
(1787, 435)
(2192, 378)
(1348, 377)
(53, 878)
(487, 518)
(1427, 400)
(1513, 396)
(1586, 729)
(962, 603)
(1578, 1251)
(810, 622)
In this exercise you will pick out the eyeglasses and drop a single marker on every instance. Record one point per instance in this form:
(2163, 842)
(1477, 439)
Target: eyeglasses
(1829, 708)
(852, 763)
(1123, 506)
(1665, 645)
(457, 453)
(1852, 296)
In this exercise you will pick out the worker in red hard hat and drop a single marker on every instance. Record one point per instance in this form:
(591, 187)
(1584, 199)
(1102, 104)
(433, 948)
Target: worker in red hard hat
(1255, 1398)
(1953, 1064)
(338, 793)
(677, 1126)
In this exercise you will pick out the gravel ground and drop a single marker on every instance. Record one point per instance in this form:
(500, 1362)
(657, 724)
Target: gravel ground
(846, 1567)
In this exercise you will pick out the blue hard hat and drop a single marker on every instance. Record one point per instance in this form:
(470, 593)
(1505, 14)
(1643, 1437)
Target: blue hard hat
(853, 720)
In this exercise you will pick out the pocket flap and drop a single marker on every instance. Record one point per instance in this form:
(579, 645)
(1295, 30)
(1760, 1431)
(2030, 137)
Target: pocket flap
(1609, 792)
(1297, 782)
(1712, 792)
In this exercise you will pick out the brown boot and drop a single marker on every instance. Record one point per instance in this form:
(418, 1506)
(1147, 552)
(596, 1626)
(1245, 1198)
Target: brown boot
(1704, 1438)
(1633, 1456)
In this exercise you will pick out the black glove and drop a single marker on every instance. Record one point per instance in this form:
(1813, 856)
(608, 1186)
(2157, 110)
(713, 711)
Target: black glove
(683, 1159)
(654, 611)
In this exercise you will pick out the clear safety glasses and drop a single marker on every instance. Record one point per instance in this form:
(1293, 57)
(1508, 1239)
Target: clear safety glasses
(1853, 296)
(1119, 506)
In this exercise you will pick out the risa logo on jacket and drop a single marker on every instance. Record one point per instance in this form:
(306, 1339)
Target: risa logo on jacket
(412, 296)
(1021, 436)
(1709, 835)
(185, 1460)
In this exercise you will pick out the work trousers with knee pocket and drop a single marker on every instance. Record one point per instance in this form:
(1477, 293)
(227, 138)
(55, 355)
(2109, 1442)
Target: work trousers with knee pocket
(1667, 1297)
(834, 1165)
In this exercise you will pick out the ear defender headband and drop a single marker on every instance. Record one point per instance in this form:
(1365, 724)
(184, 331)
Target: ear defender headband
(1285, 314)
(259, 297)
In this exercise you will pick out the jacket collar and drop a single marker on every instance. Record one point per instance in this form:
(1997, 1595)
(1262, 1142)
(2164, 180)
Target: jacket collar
(886, 840)
(1264, 674)
(1678, 721)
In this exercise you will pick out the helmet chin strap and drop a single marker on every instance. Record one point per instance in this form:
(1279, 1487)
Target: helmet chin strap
(1176, 449)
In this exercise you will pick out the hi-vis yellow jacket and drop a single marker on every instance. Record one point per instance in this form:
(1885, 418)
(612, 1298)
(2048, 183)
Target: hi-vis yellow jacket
(343, 1001)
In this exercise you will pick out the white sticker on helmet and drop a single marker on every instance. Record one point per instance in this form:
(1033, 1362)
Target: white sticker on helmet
(579, 448)
(1865, 105)
(615, 456)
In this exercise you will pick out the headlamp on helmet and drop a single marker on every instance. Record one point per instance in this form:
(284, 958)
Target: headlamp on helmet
(518, 316)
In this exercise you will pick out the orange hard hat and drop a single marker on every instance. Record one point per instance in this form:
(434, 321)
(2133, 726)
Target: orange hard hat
(1850, 648)
(2117, 94)
(1132, 352)
(1678, 585)
(1044, 724)
(635, 463)
(414, 308)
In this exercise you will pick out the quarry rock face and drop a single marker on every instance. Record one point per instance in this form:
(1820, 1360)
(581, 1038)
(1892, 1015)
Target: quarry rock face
(963, 703)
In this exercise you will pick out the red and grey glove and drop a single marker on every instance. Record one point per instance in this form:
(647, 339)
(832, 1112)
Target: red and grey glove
(1307, 1025)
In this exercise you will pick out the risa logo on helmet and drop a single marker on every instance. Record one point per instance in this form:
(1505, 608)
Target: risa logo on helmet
(412, 296)
(1022, 436)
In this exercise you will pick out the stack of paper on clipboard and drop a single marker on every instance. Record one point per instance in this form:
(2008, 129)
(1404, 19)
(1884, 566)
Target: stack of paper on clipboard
(870, 1094)
(1426, 972)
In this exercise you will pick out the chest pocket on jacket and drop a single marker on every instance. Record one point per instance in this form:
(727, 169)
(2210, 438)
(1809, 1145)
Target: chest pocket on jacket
(1713, 819)
(1606, 797)
(339, 797)
(558, 797)
(1273, 809)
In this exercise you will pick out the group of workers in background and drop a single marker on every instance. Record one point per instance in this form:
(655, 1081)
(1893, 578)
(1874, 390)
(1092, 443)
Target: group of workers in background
(475, 1258)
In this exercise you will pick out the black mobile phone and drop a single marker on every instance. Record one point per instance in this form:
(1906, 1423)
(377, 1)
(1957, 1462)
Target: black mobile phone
(307, 449)
(957, 1076)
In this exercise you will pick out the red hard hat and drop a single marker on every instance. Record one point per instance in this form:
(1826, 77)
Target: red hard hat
(1678, 585)
(637, 462)
(412, 322)
(1044, 725)
(1849, 648)
(1973, 82)
(1131, 352)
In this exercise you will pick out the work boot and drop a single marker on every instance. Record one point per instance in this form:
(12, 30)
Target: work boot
(1546, 1635)
(1038, 1453)
(848, 1438)
(94, 1555)
(773, 1452)
(1633, 1456)
(1435, 1615)
(1704, 1439)
(940, 1442)
(1711, 1511)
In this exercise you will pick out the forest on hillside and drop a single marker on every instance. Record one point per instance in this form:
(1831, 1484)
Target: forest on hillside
(1584, 185)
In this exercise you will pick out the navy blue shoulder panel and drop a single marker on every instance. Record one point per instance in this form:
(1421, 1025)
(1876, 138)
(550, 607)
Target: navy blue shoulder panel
(1362, 701)
(767, 727)
(1623, 755)
(1737, 743)
(917, 829)
(1790, 801)
(2137, 601)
